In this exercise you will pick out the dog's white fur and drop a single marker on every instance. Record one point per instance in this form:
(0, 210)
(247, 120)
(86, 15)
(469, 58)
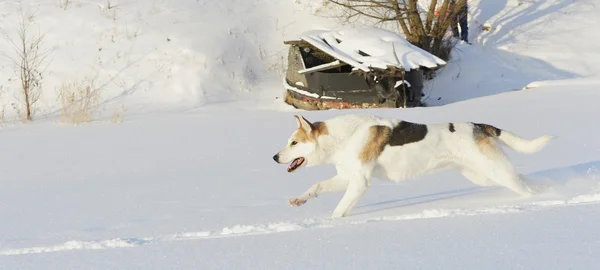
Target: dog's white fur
(348, 135)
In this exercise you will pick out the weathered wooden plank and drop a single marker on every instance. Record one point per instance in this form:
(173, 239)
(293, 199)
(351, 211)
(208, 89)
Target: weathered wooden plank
(334, 64)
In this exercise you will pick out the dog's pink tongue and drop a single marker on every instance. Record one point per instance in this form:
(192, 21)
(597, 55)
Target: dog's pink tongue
(293, 165)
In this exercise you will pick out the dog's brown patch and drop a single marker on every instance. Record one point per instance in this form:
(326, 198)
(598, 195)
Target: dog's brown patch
(379, 137)
(484, 135)
(301, 136)
(487, 130)
(485, 144)
(317, 129)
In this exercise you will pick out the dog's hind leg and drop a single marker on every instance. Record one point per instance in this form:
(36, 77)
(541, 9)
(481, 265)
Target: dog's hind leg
(334, 184)
(510, 180)
(477, 178)
(498, 169)
(488, 160)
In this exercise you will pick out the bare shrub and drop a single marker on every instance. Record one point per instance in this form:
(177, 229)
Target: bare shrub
(29, 60)
(79, 101)
(427, 32)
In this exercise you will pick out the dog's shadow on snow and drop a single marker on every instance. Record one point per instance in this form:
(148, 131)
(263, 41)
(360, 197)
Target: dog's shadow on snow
(420, 199)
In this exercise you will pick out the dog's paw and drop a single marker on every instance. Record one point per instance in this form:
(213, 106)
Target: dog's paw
(296, 202)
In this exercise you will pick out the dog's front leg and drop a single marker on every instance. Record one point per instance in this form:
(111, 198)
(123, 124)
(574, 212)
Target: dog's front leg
(356, 188)
(334, 184)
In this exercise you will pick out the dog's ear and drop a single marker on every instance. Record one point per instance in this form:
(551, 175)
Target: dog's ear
(303, 123)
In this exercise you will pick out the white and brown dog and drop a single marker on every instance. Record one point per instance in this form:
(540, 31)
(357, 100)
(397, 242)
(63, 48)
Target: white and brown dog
(362, 147)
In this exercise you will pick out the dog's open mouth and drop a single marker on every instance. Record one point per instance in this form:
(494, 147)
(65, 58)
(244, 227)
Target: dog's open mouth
(295, 164)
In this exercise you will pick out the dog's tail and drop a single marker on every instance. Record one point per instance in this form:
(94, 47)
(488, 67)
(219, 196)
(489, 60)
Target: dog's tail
(522, 145)
(513, 141)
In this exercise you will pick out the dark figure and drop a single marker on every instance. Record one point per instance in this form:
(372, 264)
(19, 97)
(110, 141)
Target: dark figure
(461, 19)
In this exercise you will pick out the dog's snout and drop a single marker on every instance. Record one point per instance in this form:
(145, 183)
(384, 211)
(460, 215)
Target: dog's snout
(276, 158)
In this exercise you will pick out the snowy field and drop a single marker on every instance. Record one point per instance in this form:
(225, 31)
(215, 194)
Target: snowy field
(195, 191)
(187, 181)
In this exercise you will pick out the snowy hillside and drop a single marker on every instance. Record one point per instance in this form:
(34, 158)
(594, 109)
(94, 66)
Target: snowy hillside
(187, 180)
(149, 55)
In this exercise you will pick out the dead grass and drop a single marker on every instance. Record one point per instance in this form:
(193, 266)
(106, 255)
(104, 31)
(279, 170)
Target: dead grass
(117, 116)
(64, 4)
(79, 101)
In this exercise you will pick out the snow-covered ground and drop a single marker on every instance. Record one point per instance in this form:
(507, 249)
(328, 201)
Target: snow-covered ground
(156, 55)
(198, 191)
(187, 180)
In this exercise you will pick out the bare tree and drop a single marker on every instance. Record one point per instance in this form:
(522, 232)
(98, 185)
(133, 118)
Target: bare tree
(28, 59)
(426, 32)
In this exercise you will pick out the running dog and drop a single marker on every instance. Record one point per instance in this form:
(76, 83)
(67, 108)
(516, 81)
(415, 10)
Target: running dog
(362, 147)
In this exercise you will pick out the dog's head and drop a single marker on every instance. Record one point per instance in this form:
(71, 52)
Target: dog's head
(302, 146)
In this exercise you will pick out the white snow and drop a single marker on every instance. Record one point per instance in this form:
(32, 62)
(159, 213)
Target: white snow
(529, 41)
(201, 189)
(187, 181)
(383, 48)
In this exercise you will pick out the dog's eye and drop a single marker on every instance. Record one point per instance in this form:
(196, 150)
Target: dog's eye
(294, 142)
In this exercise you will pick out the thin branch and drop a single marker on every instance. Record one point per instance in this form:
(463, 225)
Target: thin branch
(28, 60)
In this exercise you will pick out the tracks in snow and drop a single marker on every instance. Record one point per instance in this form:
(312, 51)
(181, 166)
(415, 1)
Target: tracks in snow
(280, 227)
